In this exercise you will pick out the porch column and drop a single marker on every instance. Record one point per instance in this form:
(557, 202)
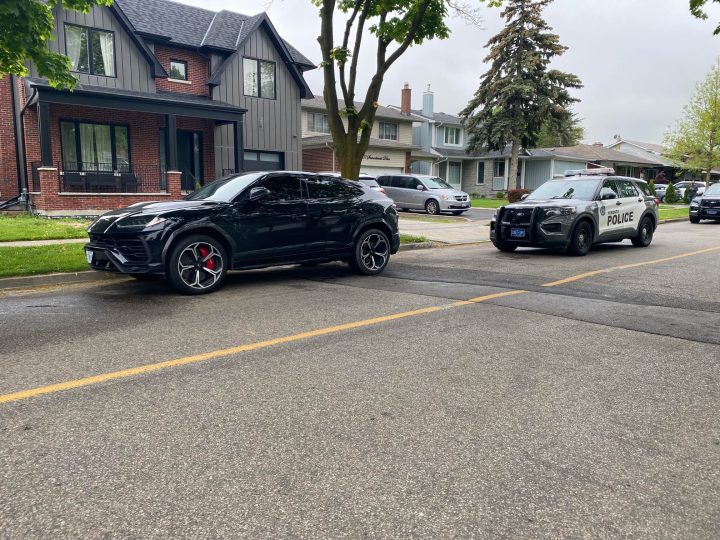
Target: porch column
(46, 156)
(238, 146)
(171, 143)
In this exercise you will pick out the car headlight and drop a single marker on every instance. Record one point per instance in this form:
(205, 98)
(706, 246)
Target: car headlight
(446, 197)
(139, 222)
(562, 211)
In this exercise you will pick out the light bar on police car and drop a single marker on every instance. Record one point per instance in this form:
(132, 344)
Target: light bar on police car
(600, 171)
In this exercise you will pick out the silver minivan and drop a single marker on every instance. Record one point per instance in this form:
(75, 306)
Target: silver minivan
(424, 192)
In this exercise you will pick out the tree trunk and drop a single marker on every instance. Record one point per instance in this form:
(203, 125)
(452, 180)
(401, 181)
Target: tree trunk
(513, 179)
(707, 176)
(349, 164)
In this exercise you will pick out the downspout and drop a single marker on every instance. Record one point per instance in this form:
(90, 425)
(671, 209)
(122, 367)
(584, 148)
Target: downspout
(19, 137)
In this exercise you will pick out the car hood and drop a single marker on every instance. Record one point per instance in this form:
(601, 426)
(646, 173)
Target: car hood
(452, 192)
(708, 198)
(548, 203)
(149, 208)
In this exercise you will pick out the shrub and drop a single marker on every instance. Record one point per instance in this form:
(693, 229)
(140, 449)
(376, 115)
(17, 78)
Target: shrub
(651, 185)
(670, 195)
(686, 196)
(514, 195)
(499, 195)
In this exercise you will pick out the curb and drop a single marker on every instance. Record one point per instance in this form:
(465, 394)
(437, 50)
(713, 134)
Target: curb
(441, 245)
(43, 280)
(673, 220)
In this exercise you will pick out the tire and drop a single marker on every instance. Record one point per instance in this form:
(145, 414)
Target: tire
(458, 212)
(694, 219)
(505, 248)
(371, 254)
(197, 265)
(645, 233)
(432, 207)
(581, 240)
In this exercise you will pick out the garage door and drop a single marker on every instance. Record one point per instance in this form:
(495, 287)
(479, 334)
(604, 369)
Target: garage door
(263, 161)
(377, 171)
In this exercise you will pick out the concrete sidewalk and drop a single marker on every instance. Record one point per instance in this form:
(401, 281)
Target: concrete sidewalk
(461, 232)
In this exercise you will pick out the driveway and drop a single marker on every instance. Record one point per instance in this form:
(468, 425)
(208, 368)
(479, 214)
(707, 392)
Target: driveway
(464, 393)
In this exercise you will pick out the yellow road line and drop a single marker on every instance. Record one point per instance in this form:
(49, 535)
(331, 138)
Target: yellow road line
(149, 368)
(627, 266)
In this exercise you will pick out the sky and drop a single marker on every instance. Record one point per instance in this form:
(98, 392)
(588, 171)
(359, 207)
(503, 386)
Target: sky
(639, 60)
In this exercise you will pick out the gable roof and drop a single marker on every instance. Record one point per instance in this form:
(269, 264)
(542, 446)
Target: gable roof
(156, 68)
(650, 147)
(596, 153)
(191, 26)
(440, 117)
(318, 103)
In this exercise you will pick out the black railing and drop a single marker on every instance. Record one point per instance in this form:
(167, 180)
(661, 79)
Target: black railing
(78, 177)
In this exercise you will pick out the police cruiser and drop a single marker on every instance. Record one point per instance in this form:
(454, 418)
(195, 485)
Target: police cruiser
(572, 213)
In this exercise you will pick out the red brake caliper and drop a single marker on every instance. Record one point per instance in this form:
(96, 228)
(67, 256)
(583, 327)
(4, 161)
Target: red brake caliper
(210, 263)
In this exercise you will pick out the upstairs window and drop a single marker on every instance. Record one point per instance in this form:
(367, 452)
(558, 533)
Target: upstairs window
(178, 70)
(90, 50)
(388, 131)
(317, 123)
(452, 135)
(259, 78)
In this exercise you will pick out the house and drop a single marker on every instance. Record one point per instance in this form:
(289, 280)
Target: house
(170, 96)
(390, 145)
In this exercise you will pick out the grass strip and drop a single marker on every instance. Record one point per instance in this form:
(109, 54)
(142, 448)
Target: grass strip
(488, 203)
(27, 227)
(30, 261)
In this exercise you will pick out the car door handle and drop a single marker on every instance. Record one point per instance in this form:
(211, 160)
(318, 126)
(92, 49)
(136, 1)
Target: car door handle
(618, 203)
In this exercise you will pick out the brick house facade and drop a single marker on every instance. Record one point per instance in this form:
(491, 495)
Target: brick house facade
(168, 93)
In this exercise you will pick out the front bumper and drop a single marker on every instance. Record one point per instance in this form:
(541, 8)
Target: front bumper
(454, 205)
(554, 232)
(703, 212)
(124, 254)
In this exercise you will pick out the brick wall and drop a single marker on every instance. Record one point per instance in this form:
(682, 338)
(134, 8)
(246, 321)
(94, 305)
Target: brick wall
(8, 163)
(319, 160)
(198, 70)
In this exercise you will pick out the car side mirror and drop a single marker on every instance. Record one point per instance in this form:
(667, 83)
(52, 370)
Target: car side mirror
(525, 196)
(420, 187)
(258, 193)
(607, 196)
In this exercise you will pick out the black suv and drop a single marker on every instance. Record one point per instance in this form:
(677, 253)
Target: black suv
(247, 221)
(707, 205)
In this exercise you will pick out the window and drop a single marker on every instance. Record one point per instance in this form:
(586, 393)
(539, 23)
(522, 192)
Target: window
(388, 131)
(499, 168)
(282, 188)
(178, 70)
(452, 135)
(454, 172)
(330, 188)
(90, 51)
(259, 78)
(627, 189)
(481, 172)
(608, 188)
(317, 122)
(94, 147)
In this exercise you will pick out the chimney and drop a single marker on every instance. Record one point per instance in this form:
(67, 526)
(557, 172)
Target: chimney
(406, 99)
(428, 103)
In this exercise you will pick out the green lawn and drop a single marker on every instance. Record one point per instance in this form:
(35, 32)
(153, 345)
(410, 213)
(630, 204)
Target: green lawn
(427, 219)
(27, 227)
(489, 203)
(668, 212)
(410, 239)
(28, 261)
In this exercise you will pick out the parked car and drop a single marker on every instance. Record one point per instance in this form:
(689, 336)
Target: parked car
(423, 192)
(707, 205)
(680, 187)
(573, 213)
(243, 221)
(365, 179)
(660, 190)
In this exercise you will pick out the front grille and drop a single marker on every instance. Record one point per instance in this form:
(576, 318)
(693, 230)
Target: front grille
(710, 204)
(133, 249)
(461, 198)
(103, 240)
(518, 216)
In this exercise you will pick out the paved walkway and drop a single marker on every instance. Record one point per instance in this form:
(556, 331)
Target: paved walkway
(29, 243)
(460, 232)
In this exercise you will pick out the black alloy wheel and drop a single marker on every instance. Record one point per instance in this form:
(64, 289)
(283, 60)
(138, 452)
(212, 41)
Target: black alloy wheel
(197, 265)
(432, 207)
(645, 233)
(582, 239)
(372, 253)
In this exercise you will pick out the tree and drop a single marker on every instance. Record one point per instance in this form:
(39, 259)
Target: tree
(519, 92)
(695, 140)
(26, 26)
(697, 8)
(566, 132)
(403, 23)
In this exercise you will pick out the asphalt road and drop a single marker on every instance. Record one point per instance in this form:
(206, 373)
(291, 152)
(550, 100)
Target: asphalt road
(584, 409)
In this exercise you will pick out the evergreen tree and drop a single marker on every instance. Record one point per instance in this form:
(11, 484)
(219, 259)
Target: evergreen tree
(519, 92)
(567, 131)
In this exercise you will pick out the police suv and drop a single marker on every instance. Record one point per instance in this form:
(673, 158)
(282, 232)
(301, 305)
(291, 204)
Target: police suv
(572, 213)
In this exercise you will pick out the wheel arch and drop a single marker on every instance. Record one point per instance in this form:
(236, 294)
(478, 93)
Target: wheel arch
(651, 215)
(587, 218)
(373, 225)
(205, 230)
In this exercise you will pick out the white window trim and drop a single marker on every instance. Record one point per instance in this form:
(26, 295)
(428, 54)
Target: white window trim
(179, 81)
(459, 136)
(397, 131)
(313, 130)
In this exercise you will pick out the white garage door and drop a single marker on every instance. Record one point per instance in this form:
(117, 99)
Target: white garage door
(377, 171)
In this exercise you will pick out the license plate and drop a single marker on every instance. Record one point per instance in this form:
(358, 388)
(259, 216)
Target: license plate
(89, 255)
(517, 233)
(712, 212)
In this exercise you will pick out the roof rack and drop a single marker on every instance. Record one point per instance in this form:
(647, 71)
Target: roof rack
(599, 171)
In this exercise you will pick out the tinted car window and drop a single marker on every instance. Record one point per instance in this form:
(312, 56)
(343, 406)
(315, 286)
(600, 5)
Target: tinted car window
(644, 188)
(369, 183)
(282, 188)
(627, 189)
(609, 187)
(399, 182)
(330, 188)
(385, 180)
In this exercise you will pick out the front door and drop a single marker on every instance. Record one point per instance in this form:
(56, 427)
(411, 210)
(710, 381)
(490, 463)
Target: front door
(609, 204)
(189, 158)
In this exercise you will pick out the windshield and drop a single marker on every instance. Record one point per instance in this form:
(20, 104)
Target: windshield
(714, 189)
(566, 189)
(369, 183)
(224, 189)
(436, 183)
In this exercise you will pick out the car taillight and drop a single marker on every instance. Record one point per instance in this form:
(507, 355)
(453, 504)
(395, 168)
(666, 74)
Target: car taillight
(657, 202)
(381, 190)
